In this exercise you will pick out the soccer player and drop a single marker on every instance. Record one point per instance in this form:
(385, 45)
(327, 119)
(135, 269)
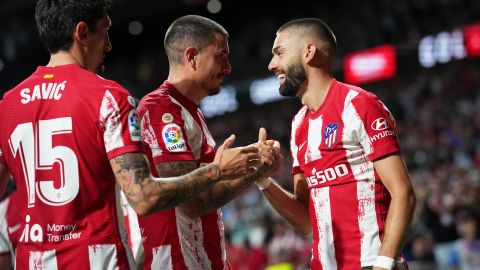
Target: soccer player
(177, 141)
(71, 141)
(351, 187)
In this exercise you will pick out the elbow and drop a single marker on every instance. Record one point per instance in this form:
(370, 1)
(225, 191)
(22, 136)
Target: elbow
(409, 197)
(412, 199)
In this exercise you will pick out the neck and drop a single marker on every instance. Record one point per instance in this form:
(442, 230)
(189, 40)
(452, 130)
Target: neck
(186, 85)
(62, 58)
(316, 90)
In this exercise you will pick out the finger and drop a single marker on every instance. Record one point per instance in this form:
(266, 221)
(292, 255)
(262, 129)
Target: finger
(227, 143)
(276, 144)
(267, 155)
(249, 149)
(251, 156)
(262, 135)
(269, 142)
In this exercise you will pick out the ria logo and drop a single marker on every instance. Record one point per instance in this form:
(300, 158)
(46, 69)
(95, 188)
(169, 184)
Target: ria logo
(380, 124)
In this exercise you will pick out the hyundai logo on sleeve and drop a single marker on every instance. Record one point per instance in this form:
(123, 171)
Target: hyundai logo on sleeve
(380, 124)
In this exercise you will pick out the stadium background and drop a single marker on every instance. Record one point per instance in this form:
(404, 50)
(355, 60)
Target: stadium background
(436, 102)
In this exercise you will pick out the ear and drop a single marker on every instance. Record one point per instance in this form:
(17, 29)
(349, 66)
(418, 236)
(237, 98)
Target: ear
(81, 33)
(310, 52)
(189, 55)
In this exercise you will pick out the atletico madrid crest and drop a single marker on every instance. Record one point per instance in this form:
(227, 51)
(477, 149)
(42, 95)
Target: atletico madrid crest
(330, 134)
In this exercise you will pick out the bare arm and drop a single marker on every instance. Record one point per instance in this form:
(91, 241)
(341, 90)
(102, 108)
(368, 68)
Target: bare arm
(147, 194)
(394, 176)
(293, 207)
(214, 197)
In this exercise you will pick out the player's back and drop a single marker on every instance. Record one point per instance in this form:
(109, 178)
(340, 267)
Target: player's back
(57, 128)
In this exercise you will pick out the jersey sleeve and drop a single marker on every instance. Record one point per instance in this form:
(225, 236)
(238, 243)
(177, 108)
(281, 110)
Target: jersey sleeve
(164, 131)
(376, 131)
(120, 122)
(295, 140)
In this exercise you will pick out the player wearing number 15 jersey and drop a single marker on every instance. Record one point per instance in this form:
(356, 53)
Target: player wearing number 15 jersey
(52, 131)
(71, 141)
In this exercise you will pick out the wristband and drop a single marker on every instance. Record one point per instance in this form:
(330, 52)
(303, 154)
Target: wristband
(384, 262)
(263, 183)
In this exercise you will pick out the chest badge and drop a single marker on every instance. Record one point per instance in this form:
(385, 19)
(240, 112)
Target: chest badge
(330, 135)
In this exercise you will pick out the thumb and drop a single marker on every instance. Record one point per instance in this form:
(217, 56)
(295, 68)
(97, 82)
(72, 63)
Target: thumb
(262, 135)
(227, 143)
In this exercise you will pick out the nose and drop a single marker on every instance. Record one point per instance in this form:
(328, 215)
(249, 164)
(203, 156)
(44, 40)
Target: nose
(227, 68)
(108, 45)
(272, 65)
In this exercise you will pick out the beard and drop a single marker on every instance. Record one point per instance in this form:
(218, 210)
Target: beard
(295, 75)
(214, 91)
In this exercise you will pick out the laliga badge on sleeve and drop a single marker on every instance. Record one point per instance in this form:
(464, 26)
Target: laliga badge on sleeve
(134, 126)
(167, 118)
(173, 138)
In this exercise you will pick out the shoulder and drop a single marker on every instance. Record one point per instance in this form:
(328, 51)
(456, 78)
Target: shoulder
(300, 114)
(157, 102)
(357, 94)
(298, 118)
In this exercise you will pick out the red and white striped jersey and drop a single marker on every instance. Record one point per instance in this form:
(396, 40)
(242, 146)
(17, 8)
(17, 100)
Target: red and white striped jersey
(174, 129)
(60, 127)
(334, 147)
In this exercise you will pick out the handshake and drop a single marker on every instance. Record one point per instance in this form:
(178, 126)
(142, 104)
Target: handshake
(254, 162)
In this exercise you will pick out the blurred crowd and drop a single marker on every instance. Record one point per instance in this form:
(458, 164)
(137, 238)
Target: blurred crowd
(437, 115)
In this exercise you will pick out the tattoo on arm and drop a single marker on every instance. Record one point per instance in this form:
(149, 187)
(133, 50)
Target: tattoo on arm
(222, 193)
(147, 194)
(175, 168)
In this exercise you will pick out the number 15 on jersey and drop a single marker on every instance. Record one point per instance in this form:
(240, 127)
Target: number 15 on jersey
(37, 153)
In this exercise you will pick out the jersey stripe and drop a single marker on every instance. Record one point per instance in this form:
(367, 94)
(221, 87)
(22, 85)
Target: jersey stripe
(43, 260)
(363, 172)
(149, 136)
(321, 199)
(102, 257)
(121, 226)
(194, 131)
(297, 121)
(190, 236)
(162, 257)
(110, 116)
(314, 141)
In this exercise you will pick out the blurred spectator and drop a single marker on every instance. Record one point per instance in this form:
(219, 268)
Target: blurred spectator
(466, 252)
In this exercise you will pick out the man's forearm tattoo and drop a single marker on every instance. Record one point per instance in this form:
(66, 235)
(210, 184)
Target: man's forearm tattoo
(157, 194)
